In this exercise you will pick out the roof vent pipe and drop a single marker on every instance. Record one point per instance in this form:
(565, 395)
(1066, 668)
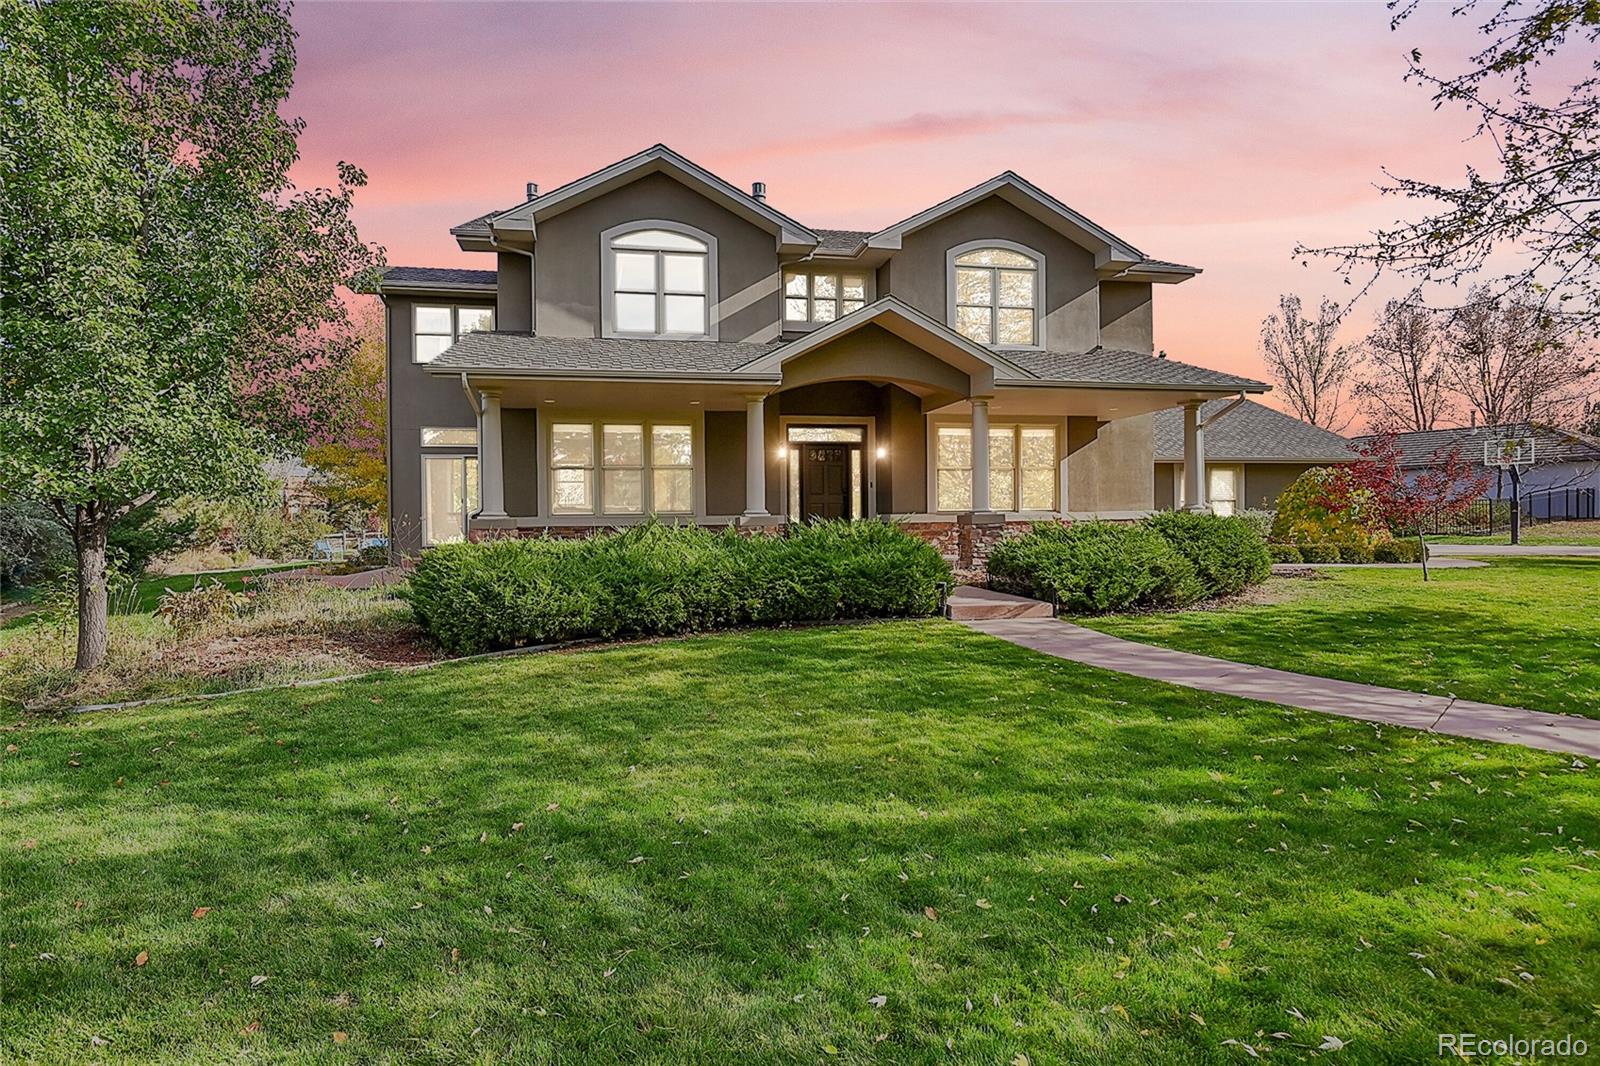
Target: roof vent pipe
(758, 191)
(533, 189)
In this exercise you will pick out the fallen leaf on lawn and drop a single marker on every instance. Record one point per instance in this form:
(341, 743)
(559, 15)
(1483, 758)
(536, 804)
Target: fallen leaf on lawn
(29, 845)
(609, 972)
(984, 904)
(930, 913)
(340, 1036)
(483, 838)
(253, 1027)
(98, 1041)
(1331, 1043)
(1120, 898)
(636, 860)
(1197, 1018)
(1021, 1060)
(12, 749)
(516, 827)
(141, 958)
(829, 1049)
(878, 1001)
(455, 954)
(257, 981)
(552, 806)
(200, 912)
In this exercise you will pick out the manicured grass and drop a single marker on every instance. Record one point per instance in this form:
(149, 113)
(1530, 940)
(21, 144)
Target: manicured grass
(723, 849)
(1520, 632)
(1545, 533)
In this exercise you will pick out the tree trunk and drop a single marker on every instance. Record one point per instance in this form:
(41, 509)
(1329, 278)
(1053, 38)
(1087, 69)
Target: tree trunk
(90, 538)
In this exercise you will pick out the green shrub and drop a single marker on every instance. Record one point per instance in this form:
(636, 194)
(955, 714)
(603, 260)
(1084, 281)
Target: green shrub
(1228, 554)
(654, 579)
(1285, 553)
(1303, 516)
(1319, 553)
(1259, 519)
(1094, 567)
(1355, 552)
(1397, 551)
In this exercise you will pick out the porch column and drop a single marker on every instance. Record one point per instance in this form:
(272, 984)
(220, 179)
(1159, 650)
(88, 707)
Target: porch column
(980, 455)
(491, 463)
(1194, 459)
(755, 456)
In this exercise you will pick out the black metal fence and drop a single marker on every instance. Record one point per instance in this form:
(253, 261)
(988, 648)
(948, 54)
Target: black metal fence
(1488, 516)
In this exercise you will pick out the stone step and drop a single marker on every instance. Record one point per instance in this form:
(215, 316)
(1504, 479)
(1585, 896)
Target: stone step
(969, 603)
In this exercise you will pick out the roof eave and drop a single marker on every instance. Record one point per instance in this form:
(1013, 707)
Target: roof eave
(1063, 383)
(688, 378)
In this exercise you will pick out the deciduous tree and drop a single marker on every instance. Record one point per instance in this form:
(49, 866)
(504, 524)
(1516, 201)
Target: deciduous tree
(154, 256)
(1401, 387)
(1311, 367)
(1506, 361)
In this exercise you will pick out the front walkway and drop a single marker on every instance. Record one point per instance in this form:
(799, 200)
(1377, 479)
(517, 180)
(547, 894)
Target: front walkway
(1438, 714)
(1585, 550)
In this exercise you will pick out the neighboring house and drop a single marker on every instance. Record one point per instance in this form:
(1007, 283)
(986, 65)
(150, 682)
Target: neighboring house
(1252, 454)
(654, 340)
(1562, 459)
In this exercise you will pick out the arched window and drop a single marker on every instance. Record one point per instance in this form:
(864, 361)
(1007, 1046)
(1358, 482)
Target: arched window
(995, 293)
(659, 281)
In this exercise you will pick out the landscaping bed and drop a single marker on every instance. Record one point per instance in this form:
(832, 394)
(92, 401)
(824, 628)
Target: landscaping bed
(902, 842)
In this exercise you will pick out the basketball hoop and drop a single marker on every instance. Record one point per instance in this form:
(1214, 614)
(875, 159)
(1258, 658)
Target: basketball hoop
(1508, 452)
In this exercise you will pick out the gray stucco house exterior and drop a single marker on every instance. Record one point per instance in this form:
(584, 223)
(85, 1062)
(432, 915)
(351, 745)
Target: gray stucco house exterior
(653, 340)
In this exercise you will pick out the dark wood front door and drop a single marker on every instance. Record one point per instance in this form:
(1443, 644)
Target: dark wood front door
(825, 480)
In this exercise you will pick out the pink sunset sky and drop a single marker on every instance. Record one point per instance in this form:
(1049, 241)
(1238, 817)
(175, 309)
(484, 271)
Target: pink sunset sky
(1212, 134)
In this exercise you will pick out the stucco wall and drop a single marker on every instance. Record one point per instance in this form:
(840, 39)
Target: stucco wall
(1265, 482)
(1126, 319)
(416, 399)
(1072, 289)
(513, 307)
(1109, 463)
(567, 261)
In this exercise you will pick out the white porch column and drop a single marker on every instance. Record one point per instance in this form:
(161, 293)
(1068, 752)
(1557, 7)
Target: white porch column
(491, 461)
(1194, 459)
(755, 457)
(980, 455)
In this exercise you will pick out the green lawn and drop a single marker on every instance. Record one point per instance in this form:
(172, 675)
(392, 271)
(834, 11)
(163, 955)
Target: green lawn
(1521, 632)
(726, 848)
(1582, 533)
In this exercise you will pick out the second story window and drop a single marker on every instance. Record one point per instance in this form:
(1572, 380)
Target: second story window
(659, 282)
(821, 297)
(995, 295)
(435, 328)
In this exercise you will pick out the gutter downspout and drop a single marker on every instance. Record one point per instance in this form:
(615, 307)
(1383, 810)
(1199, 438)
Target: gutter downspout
(1220, 415)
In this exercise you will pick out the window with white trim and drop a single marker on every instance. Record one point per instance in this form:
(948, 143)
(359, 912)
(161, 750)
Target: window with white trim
(660, 284)
(996, 297)
(449, 495)
(1023, 468)
(639, 468)
(820, 297)
(435, 327)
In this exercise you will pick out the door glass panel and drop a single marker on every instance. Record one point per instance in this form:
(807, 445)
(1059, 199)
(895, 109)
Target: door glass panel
(827, 433)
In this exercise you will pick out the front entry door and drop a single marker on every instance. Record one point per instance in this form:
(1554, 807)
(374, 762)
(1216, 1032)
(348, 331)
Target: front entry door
(825, 480)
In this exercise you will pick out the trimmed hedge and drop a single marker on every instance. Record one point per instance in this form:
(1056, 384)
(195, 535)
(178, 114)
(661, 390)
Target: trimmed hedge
(1319, 553)
(1355, 552)
(1285, 553)
(1229, 554)
(653, 579)
(1094, 567)
(1397, 551)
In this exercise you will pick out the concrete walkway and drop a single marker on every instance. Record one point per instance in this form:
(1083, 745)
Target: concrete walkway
(1486, 550)
(1438, 714)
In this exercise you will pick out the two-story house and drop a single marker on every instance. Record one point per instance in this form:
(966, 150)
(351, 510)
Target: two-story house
(653, 340)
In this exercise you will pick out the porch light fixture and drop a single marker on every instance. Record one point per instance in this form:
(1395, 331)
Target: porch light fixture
(883, 453)
(549, 401)
(783, 452)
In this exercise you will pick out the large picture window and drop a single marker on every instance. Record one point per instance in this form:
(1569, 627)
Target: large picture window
(819, 298)
(1022, 468)
(660, 283)
(436, 327)
(637, 469)
(995, 296)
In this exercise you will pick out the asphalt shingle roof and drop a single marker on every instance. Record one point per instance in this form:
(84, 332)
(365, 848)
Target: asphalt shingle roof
(511, 350)
(1550, 445)
(1251, 432)
(404, 275)
(841, 240)
(1113, 366)
(508, 350)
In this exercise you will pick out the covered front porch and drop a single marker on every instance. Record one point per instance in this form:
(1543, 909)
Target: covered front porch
(883, 414)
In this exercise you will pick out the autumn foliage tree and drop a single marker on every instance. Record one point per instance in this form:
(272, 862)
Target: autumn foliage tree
(1401, 501)
(348, 452)
(164, 286)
